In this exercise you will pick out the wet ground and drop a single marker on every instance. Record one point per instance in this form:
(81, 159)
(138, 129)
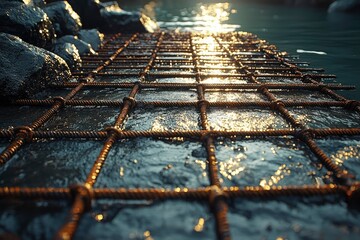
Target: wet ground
(173, 163)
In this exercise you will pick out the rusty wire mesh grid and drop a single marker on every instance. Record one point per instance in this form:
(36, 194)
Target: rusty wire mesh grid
(188, 74)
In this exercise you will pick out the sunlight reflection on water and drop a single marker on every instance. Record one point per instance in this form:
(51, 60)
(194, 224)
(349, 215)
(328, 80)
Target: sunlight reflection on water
(209, 17)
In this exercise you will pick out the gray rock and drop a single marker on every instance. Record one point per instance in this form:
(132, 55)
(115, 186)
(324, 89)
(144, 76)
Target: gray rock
(68, 52)
(21, 1)
(108, 17)
(92, 36)
(26, 69)
(83, 47)
(27, 22)
(38, 3)
(89, 12)
(345, 6)
(117, 20)
(63, 18)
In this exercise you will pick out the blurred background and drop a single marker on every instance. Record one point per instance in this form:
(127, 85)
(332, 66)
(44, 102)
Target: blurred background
(325, 35)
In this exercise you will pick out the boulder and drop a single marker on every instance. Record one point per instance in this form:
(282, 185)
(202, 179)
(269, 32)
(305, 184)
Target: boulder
(63, 18)
(83, 47)
(21, 1)
(26, 69)
(117, 20)
(345, 6)
(108, 17)
(89, 11)
(27, 22)
(68, 52)
(92, 36)
(38, 3)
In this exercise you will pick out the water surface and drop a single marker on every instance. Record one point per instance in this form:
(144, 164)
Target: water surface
(329, 41)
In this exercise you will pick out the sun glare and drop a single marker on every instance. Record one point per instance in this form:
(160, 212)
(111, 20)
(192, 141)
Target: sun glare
(214, 15)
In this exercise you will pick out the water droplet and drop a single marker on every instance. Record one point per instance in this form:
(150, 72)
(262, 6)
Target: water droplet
(121, 171)
(169, 166)
(199, 227)
(99, 217)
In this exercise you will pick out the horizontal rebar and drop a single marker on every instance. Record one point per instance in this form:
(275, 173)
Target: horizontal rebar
(294, 86)
(6, 133)
(25, 193)
(203, 75)
(118, 103)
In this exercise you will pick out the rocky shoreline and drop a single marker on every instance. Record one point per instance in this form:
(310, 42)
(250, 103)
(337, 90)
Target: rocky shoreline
(41, 42)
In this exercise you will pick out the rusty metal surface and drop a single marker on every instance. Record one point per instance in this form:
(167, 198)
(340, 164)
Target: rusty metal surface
(245, 58)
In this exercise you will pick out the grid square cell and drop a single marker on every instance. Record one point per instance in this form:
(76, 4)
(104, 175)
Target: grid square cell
(103, 94)
(167, 96)
(300, 95)
(116, 79)
(223, 80)
(345, 152)
(217, 71)
(266, 163)
(233, 96)
(147, 220)
(109, 70)
(162, 119)
(244, 119)
(173, 70)
(50, 164)
(174, 80)
(293, 218)
(148, 163)
(31, 220)
(83, 118)
(280, 80)
(52, 92)
(15, 116)
(333, 117)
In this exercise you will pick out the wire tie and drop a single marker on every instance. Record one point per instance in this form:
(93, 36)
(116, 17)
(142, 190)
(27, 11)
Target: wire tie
(205, 136)
(321, 86)
(261, 88)
(85, 193)
(216, 194)
(130, 100)
(139, 84)
(351, 104)
(203, 102)
(113, 130)
(246, 68)
(307, 77)
(86, 80)
(305, 134)
(250, 74)
(24, 131)
(60, 100)
(275, 104)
